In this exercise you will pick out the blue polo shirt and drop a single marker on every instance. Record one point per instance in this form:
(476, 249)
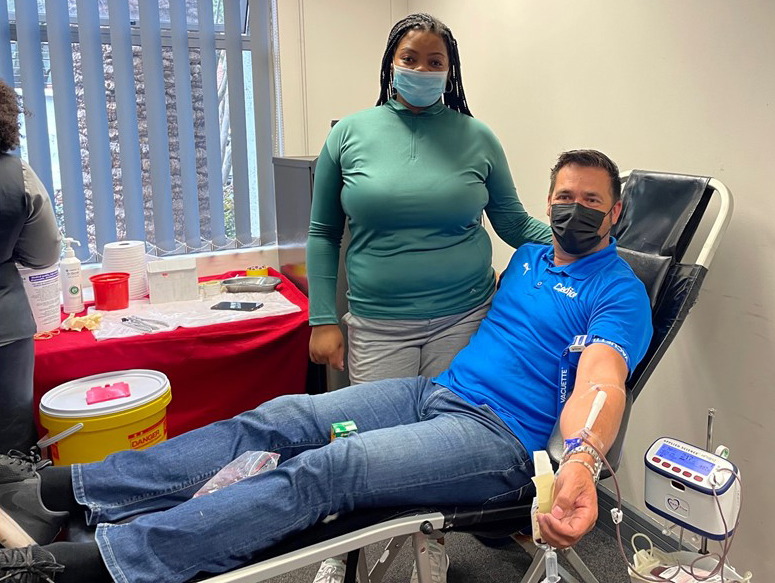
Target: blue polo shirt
(512, 363)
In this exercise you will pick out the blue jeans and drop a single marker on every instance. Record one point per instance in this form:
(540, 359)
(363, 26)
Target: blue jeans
(417, 443)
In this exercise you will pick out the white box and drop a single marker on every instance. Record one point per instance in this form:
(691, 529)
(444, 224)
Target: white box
(172, 279)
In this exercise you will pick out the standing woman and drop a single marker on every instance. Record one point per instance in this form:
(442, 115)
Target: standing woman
(29, 236)
(411, 177)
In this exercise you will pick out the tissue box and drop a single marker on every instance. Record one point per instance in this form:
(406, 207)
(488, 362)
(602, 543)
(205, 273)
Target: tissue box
(172, 279)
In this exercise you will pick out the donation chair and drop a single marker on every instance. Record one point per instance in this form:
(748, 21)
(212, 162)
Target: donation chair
(660, 217)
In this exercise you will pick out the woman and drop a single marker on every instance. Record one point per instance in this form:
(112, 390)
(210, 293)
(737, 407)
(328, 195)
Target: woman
(411, 177)
(29, 236)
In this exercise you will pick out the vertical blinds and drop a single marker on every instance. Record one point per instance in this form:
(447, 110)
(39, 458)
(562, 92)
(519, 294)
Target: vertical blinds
(136, 117)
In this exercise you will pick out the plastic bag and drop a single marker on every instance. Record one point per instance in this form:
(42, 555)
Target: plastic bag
(248, 464)
(665, 565)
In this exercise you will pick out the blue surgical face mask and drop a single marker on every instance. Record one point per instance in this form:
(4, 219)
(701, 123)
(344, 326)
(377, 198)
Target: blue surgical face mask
(419, 88)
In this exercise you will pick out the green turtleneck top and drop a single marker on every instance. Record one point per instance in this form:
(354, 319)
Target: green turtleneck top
(412, 188)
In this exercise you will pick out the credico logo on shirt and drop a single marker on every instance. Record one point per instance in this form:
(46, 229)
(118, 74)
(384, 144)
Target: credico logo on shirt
(567, 290)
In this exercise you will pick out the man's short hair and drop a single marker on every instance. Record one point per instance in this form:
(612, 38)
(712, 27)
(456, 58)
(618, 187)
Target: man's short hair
(589, 159)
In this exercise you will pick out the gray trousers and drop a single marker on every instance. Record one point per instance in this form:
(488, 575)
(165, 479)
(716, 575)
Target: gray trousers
(17, 416)
(384, 349)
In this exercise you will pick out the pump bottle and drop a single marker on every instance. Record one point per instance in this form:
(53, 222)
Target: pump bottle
(70, 276)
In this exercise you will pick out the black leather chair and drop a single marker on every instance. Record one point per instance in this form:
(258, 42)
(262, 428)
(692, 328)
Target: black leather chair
(660, 218)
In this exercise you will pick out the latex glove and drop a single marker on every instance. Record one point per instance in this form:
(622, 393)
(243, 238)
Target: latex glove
(326, 346)
(78, 323)
(574, 511)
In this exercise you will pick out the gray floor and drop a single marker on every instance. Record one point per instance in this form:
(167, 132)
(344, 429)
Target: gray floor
(473, 562)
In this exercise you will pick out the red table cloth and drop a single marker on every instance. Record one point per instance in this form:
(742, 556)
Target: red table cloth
(215, 371)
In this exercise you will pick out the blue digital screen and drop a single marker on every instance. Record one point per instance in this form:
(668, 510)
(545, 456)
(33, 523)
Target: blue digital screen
(687, 460)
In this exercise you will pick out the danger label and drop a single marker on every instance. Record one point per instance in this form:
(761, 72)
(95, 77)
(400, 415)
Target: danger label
(149, 436)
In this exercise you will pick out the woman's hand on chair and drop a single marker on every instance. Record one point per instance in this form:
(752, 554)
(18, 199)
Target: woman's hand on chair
(326, 346)
(574, 511)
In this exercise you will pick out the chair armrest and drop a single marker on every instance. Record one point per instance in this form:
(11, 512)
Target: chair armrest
(555, 446)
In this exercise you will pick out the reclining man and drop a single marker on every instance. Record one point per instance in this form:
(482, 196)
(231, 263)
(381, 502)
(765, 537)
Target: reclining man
(497, 402)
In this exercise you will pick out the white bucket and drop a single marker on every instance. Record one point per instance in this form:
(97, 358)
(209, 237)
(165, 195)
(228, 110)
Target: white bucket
(44, 295)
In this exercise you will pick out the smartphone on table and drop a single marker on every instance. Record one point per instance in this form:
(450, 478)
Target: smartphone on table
(239, 306)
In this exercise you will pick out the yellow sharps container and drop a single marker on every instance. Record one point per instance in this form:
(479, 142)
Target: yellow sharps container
(135, 421)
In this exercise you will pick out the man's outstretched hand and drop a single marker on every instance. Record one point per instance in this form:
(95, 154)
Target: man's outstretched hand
(574, 511)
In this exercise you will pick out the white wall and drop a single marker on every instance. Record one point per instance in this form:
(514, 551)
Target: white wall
(676, 86)
(330, 53)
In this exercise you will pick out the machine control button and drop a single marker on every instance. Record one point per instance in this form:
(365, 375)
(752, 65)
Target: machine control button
(676, 469)
(698, 478)
(666, 464)
(687, 474)
(656, 459)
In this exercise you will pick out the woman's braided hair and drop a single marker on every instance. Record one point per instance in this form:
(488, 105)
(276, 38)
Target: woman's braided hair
(9, 118)
(454, 98)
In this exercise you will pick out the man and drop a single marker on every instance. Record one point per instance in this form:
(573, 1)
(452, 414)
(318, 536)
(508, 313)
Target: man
(481, 418)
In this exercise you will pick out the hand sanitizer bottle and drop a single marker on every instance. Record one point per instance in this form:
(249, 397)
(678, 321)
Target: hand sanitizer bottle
(70, 277)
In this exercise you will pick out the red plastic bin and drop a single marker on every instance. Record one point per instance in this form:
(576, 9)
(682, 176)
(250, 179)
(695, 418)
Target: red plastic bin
(111, 290)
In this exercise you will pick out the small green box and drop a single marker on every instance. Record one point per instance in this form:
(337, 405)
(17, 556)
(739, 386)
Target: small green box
(343, 429)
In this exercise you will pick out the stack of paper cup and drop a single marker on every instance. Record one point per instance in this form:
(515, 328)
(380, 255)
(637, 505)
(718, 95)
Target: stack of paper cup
(128, 257)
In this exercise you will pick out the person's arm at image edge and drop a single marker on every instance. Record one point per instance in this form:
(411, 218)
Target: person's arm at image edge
(39, 243)
(574, 511)
(323, 246)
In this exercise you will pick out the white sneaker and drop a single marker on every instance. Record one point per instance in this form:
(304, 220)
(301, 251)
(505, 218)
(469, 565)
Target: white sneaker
(331, 571)
(439, 563)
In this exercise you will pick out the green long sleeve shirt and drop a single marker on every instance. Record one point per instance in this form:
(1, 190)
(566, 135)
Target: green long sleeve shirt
(412, 188)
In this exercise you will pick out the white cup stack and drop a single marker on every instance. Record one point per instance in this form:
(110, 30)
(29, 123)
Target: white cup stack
(127, 257)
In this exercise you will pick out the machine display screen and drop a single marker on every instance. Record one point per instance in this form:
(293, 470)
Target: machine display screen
(687, 460)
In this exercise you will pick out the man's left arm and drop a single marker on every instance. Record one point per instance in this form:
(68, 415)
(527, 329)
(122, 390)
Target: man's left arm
(601, 368)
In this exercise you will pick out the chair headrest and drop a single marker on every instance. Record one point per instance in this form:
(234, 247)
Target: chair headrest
(661, 212)
(650, 269)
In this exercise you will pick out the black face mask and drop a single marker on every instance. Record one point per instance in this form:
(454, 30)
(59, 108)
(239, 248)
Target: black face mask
(576, 227)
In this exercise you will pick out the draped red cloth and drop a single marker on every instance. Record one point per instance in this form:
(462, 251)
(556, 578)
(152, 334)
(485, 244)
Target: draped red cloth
(215, 371)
